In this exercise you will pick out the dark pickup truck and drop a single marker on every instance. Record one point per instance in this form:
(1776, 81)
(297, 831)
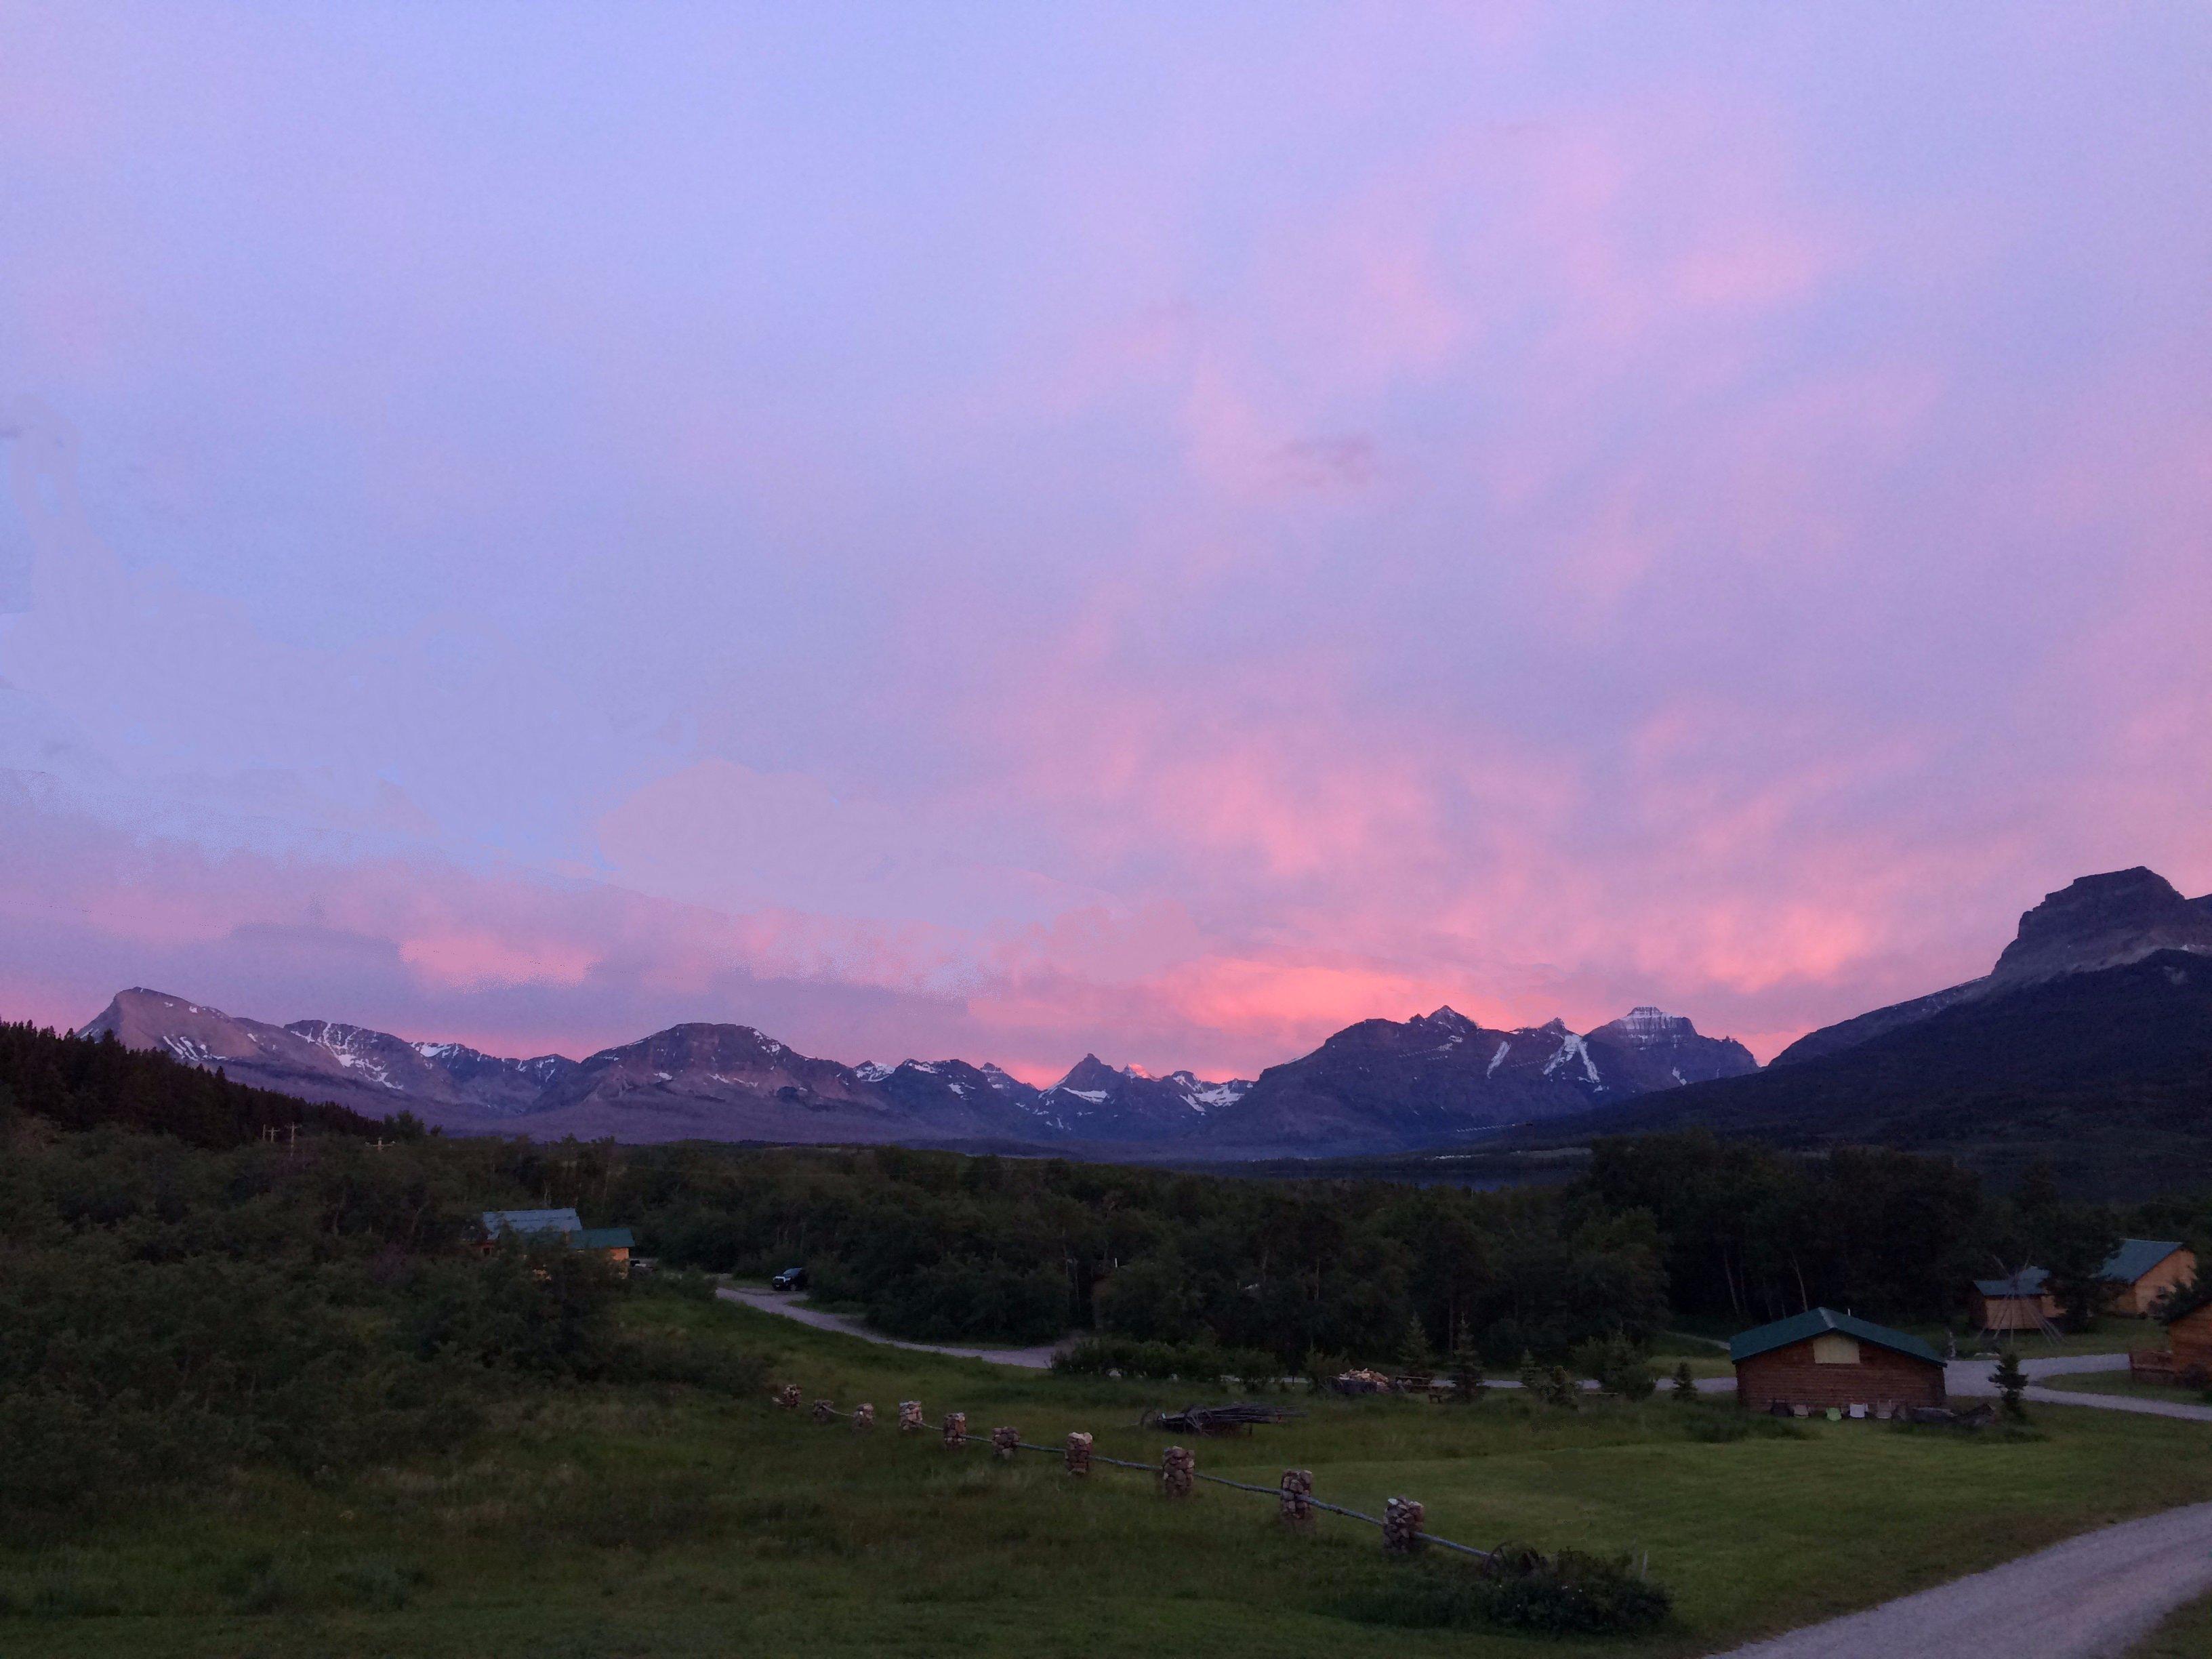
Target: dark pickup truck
(791, 1278)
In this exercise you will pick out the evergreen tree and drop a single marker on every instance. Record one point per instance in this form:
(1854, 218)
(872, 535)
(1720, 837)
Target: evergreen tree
(2075, 1241)
(2011, 1380)
(1417, 1361)
(1467, 1371)
(1686, 1387)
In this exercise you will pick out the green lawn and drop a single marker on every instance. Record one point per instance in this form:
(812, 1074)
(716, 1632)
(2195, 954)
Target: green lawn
(2107, 1335)
(657, 1521)
(2120, 1382)
(2186, 1634)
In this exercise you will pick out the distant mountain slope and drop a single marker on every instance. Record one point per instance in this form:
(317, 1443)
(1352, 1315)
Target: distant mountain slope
(2130, 1045)
(1098, 1102)
(311, 1059)
(2090, 1044)
(2095, 921)
(1384, 1085)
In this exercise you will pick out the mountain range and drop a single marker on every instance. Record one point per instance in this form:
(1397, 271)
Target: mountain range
(2095, 1019)
(1380, 1086)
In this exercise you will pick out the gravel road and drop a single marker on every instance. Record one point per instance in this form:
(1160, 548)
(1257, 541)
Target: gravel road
(2087, 1598)
(775, 1302)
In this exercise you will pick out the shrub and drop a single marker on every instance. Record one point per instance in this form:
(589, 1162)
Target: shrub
(1096, 1356)
(1613, 1363)
(2011, 1380)
(1518, 1589)
(1571, 1593)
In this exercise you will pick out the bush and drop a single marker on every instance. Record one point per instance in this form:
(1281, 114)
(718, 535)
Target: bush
(1568, 1594)
(1615, 1365)
(1097, 1356)
(1571, 1593)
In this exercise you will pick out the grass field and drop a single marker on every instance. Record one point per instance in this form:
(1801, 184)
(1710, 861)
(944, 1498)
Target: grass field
(2120, 1382)
(2187, 1634)
(658, 1522)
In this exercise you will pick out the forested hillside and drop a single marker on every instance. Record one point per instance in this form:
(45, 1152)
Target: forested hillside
(77, 1082)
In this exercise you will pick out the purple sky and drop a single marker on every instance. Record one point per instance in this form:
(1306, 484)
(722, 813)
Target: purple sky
(1003, 530)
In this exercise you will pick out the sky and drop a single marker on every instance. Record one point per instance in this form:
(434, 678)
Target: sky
(1009, 531)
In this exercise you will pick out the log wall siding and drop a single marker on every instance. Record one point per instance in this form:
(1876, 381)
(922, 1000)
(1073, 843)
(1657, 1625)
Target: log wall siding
(2136, 1299)
(1793, 1376)
(2191, 1339)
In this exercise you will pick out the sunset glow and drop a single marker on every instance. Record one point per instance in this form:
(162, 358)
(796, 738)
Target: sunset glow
(1011, 533)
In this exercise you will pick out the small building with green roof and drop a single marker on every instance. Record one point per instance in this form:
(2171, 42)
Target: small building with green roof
(1820, 1358)
(2144, 1269)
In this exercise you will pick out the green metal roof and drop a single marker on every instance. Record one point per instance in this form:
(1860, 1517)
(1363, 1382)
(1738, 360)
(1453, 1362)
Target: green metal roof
(602, 1238)
(2135, 1257)
(1817, 1322)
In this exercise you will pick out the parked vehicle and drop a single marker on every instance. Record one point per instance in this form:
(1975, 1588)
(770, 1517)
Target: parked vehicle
(791, 1278)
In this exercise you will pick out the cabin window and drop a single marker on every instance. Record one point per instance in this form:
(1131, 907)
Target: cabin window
(1833, 1350)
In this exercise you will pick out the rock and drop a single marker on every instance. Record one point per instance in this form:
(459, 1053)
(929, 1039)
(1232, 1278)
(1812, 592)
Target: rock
(1078, 1453)
(1177, 1466)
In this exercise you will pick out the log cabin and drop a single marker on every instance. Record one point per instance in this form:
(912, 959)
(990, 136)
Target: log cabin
(2144, 1269)
(2189, 1340)
(1820, 1358)
(615, 1243)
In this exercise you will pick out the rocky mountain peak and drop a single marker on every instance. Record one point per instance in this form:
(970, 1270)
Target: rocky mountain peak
(2103, 921)
(1091, 1073)
(1641, 1027)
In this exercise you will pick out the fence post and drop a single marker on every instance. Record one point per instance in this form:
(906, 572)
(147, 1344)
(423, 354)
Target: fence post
(1295, 1505)
(1078, 1453)
(787, 1396)
(864, 1416)
(956, 1429)
(824, 1411)
(1004, 1443)
(1176, 1466)
(909, 1417)
(1402, 1526)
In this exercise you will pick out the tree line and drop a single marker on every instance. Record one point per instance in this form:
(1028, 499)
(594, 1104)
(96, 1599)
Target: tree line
(165, 1266)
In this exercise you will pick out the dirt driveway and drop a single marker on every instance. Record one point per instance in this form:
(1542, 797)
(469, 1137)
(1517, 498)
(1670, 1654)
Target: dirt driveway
(2088, 1597)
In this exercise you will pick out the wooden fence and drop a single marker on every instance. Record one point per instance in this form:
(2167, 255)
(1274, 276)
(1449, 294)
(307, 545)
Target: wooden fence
(1402, 1520)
